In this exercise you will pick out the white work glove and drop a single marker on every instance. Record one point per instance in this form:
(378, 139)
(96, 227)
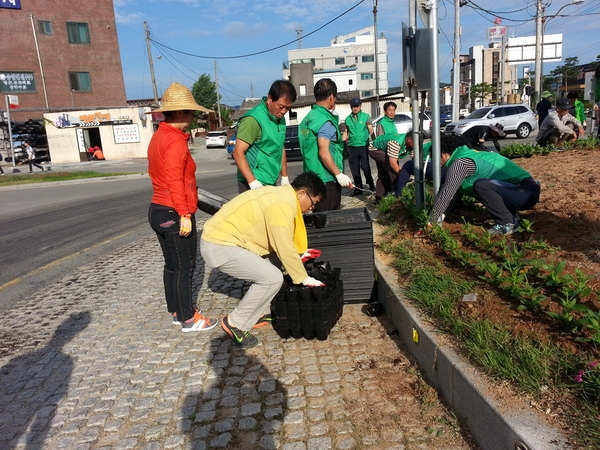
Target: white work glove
(312, 282)
(255, 184)
(344, 180)
(285, 181)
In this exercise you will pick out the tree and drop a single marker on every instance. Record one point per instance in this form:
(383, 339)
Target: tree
(566, 71)
(205, 92)
(481, 91)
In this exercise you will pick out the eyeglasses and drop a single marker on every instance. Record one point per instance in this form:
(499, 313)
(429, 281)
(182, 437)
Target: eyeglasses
(313, 204)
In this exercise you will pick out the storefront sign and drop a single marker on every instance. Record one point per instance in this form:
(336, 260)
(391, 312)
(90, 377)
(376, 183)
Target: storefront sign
(17, 82)
(12, 4)
(88, 120)
(126, 133)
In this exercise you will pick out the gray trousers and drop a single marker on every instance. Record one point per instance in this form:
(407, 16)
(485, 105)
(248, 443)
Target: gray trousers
(243, 264)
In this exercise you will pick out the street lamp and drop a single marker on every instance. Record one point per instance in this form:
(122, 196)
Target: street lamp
(540, 26)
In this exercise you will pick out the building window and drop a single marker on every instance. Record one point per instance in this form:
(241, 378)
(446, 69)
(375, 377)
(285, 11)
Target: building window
(340, 61)
(78, 33)
(368, 58)
(350, 82)
(356, 60)
(366, 76)
(45, 26)
(303, 90)
(366, 94)
(80, 81)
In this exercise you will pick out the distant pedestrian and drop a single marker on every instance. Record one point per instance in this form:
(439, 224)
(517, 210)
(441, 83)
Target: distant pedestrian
(174, 202)
(578, 109)
(543, 106)
(386, 176)
(98, 154)
(476, 136)
(31, 157)
(322, 146)
(559, 126)
(357, 132)
(1, 169)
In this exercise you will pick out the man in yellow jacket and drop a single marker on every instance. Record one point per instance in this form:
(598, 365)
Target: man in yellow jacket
(254, 225)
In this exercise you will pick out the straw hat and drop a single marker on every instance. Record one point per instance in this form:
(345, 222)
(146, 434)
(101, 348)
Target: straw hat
(178, 98)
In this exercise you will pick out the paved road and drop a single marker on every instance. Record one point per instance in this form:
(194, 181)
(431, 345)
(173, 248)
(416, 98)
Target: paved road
(89, 359)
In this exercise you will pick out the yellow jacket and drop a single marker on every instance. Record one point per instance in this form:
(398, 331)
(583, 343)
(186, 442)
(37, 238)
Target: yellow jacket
(263, 221)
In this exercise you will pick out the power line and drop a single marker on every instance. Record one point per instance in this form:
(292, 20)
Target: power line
(263, 51)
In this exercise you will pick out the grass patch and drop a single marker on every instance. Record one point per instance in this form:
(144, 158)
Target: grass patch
(48, 176)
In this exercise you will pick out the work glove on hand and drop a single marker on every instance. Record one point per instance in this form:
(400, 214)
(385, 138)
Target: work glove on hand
(285, 181)
(344, 180)
(255, 184)
(312, 282)
(185, 226)
(309, 254)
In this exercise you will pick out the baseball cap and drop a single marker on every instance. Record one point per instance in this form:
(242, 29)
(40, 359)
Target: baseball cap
(563, 103)
(355, 102)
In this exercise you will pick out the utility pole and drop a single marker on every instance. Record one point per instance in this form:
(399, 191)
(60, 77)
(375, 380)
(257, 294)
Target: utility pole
(456, 66)
(414, 100)
(153, 78)
(376, 57)
(37, 49)
(218, 101)
(502, 73)
(435, 99)
(539, 14)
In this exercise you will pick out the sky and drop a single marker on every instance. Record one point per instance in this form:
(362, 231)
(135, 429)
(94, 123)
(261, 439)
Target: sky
(208, 31)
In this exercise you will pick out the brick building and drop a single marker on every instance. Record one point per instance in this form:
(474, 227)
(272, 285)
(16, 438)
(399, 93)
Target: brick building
(59, 55)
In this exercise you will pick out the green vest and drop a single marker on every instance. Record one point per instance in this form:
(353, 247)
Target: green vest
(264, 156)
(388, 125)
(358, 133)
(426, 150)
(381, 142)
(307, 136)
(489, 165)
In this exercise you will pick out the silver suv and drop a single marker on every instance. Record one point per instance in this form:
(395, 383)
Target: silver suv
(516, 119)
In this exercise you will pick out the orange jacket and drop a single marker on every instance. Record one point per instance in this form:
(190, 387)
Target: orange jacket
(172, 170)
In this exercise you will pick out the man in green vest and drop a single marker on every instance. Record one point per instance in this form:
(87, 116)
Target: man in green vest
(322, 147)
(386, 176)
(358, 130)
(499, 184)
(259, 152)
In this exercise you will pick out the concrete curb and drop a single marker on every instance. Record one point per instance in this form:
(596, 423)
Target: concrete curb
(44, 184)
(460, 383)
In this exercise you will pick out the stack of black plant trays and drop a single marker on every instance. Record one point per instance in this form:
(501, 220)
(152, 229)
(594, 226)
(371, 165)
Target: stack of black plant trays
(309, 312)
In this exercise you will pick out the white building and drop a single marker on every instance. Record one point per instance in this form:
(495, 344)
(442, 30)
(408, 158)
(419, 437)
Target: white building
(349, 61)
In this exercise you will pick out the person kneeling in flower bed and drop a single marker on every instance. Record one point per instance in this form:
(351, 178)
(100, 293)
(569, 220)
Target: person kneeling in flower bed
(498, 183)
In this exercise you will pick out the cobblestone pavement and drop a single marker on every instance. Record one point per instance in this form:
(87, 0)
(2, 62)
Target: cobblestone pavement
(94, 362)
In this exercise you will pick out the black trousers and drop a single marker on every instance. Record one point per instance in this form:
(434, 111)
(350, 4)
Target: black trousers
(386, 177)
(359, 160)
(503, 199)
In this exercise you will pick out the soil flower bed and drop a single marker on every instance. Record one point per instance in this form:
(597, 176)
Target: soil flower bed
(536, 321)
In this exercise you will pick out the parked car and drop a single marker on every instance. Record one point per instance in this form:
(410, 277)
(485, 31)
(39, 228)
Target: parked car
(216, 139)
(292, 144)
(516, 119)
(403, 122)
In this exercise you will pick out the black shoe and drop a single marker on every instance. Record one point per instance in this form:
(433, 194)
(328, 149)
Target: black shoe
(243, 339)
(356, 192)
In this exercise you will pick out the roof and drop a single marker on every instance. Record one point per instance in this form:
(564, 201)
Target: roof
(246, 106)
